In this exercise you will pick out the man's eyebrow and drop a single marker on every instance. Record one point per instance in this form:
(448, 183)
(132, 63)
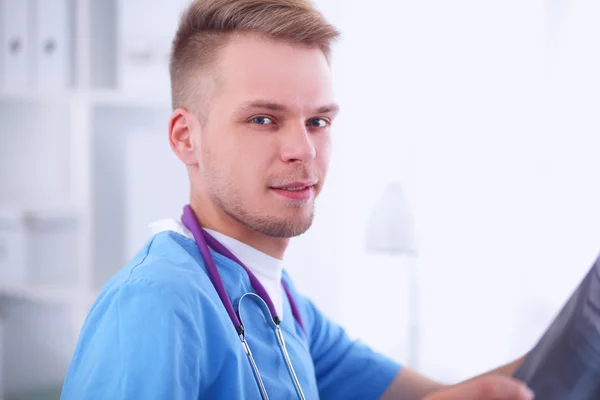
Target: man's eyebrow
(264, 104)
(329, 109)
(272, 106)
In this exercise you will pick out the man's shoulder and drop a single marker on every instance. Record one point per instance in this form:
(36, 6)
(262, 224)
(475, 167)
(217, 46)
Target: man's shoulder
(165, 267)
(152, 317)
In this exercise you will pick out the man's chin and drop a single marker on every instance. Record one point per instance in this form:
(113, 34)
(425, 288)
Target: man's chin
(285, 227)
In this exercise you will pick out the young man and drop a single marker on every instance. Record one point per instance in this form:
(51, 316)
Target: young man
(253, 109)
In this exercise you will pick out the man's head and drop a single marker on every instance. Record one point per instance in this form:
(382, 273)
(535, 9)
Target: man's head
(253, 102)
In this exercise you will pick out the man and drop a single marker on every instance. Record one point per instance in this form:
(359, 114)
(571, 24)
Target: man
(253, 109)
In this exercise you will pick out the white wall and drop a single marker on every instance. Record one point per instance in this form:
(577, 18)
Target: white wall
(488, 114)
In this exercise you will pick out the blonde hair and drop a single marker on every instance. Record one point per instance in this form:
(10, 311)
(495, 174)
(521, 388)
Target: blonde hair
(207, 25)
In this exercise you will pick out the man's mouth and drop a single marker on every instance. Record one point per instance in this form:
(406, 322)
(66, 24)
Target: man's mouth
(296, 190)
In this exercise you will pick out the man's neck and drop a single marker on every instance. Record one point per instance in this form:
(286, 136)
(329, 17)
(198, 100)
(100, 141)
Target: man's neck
(211, 218)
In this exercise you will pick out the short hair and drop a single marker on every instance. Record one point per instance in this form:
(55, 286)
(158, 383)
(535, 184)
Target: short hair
(207, 25)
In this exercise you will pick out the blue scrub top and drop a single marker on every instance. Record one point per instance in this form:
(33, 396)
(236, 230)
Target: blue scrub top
(158, 330)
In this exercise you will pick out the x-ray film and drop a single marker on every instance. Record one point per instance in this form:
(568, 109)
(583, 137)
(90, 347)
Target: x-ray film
(565, 363)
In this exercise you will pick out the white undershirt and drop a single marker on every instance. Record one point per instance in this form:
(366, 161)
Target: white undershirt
(267, 269)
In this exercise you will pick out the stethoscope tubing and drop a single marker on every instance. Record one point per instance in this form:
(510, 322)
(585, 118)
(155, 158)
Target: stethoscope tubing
(203, 241)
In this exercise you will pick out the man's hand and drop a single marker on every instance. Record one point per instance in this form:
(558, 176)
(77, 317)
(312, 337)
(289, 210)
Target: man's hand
(488, 387)
(493, 385)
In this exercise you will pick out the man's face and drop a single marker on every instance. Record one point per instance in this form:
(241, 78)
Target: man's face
(265, 144)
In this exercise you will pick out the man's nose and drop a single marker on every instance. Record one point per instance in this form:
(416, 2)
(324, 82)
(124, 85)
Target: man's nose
(298, 145)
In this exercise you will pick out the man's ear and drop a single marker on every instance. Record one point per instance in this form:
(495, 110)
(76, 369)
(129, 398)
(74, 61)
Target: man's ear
(182, 125)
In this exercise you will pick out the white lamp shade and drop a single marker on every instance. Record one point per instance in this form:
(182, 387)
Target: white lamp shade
(390, 228)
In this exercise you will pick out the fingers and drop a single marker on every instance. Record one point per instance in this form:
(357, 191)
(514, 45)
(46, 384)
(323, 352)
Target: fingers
(486, 388)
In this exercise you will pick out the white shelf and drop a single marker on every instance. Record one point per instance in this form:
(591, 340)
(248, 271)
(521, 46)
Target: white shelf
(38, 211)
(109, 98)
(124, 99)
(36, 97)
(92, 150)
(52, 295)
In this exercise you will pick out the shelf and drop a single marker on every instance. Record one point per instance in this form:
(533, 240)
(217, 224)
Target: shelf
(53, 295)
(132, 99)
(30, 96)
(34, 151)
(32, 213)
(110, 98)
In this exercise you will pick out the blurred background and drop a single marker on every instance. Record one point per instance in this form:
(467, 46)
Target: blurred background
(462, 206)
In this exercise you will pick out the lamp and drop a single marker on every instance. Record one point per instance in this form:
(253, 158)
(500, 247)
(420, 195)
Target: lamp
(390, 230)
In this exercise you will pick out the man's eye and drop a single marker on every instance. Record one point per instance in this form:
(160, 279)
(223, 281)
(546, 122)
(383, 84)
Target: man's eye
(318, 123)
(262, 120)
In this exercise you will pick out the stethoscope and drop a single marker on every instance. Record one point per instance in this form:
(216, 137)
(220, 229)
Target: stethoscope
(204, 240)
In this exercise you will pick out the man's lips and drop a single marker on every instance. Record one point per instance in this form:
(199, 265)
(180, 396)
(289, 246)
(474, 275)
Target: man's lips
(300, 190)
(298, 185)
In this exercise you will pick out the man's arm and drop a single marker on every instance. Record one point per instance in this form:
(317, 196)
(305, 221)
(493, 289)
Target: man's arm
(410, 385)
(344, 368)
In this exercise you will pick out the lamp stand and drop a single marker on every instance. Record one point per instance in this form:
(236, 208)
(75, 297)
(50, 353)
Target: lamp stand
(413, 315)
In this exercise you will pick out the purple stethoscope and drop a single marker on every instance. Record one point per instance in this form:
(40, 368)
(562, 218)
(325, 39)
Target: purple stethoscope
(204, 240)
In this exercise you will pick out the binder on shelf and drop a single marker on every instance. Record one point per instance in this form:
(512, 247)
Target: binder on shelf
(52, 49)
(144, 49)
(144, 65)
(15, 33)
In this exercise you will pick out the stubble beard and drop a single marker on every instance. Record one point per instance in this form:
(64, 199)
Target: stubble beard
(229, 201)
